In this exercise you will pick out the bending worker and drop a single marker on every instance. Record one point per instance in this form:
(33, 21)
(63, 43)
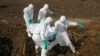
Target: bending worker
(43, 13)
(62, 37)
(28, 17)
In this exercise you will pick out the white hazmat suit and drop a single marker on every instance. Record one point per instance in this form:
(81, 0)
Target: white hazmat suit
(43, 13)
(62, 36)
(28, 16)
(39, 36)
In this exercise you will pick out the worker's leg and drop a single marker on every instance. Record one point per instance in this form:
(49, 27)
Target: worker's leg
(43, 52)
(36, 48)
(28, 32)
(68, 42)
(52, 44)
(71, 47)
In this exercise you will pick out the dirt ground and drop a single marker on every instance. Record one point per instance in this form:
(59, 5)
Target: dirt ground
(15, 42)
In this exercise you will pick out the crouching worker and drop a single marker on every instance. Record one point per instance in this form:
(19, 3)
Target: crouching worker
(62, 36)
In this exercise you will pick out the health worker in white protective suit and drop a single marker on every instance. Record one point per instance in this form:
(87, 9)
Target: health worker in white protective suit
(39, 36)
(43, 13)
(28, 17)
(62, 37)
(42, 17)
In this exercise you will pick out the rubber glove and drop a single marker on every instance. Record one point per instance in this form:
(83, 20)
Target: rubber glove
(44, 43)
(80, 25)
(30, 21)
(54, 36)
(54, 14)
(38, 21)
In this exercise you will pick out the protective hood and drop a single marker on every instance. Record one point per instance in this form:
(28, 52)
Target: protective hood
(48, 20)
(30, 5)
(46, 6)
(62, 18)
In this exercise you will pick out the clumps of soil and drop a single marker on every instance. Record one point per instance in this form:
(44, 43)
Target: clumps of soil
(94, 36)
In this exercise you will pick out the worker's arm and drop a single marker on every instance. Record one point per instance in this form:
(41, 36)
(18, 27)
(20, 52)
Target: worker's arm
(42, 33)
(56, 26)
(76, 24)
(51, 12)
(39, 16)
(32, 12)
(80, 25)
